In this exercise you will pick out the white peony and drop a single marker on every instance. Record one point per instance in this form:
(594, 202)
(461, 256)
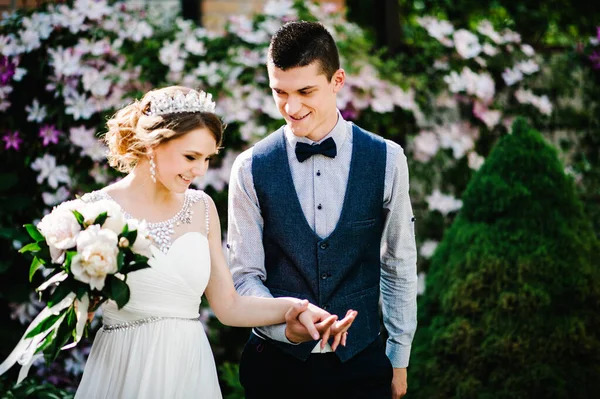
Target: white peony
(142, 242)
(96, 257)
(60, 229)
(115, 221)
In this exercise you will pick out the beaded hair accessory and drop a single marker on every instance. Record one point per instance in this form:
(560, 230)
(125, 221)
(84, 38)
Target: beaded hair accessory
(163, 103)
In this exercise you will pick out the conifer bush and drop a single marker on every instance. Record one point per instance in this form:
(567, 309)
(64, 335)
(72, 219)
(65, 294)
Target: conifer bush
(512, 298)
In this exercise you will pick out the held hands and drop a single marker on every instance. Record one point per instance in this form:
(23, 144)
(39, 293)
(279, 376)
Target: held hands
(307, 322)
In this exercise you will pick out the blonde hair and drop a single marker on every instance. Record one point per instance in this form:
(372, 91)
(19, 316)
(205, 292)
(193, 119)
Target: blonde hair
(131, 131)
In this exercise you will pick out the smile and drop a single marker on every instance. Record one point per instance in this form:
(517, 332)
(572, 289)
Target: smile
(185, 179)
(299, 119)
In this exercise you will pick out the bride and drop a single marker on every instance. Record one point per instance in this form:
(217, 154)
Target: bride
(155, 346)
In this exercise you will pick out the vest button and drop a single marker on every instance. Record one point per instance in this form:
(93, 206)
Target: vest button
(325, 307)
(324, 276)
(320, 206)
(324, 245)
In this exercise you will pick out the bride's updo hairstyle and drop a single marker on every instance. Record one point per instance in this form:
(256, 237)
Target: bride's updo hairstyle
(139, 126)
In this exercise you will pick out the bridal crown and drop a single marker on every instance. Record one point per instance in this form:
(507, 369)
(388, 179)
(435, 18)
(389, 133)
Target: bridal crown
(193, 101)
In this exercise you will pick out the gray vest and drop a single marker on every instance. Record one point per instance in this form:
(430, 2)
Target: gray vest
(339, 272)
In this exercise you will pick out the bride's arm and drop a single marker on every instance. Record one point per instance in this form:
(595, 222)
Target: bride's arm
(242, 311)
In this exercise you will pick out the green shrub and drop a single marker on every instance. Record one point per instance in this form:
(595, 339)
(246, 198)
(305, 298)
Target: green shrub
(511, 303)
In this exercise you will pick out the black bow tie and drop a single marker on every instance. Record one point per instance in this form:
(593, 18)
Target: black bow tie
(305, 151)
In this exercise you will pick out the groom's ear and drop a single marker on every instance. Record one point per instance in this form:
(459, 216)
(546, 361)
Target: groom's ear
(338, 79)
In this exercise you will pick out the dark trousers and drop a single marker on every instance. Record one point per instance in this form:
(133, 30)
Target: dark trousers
(266, 372)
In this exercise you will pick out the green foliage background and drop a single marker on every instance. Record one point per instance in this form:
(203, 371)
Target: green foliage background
(510, 307)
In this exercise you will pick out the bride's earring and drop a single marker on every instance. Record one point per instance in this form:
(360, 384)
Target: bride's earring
(152, 169)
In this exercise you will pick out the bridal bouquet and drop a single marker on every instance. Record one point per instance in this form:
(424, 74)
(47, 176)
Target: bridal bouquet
(88, 249)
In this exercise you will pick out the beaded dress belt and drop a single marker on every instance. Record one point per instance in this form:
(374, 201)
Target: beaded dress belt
(136, 323)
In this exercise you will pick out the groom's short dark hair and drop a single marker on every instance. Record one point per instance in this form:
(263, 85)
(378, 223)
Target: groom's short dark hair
(300, 43)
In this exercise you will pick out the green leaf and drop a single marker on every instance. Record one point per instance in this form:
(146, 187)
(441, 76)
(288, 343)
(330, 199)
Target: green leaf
(45, 324)
(47, 341)
(124, 231)
(132, 267)
(80, 291)
(62, 290)
(101, 218)
(62, 336)
(35, 265)
(141, 258)
(118, 291)
(32, 247)
(72, 319)
(120, 260)
(44, 252)
(79, 217)
(68, 259)
(34, 233)
(131, 237)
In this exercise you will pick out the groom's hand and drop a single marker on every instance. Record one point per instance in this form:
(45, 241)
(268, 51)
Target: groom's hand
(307, 325)
(399, 385)
(339, 330)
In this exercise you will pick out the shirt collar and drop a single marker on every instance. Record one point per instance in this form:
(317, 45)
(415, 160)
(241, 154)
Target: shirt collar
(339, 133)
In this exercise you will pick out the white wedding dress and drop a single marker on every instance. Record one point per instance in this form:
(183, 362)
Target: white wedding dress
(155, 346)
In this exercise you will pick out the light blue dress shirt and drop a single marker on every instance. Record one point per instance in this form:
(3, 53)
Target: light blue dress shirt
(321, 182)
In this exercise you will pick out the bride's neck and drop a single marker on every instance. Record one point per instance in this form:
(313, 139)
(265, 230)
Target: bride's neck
(139, 186)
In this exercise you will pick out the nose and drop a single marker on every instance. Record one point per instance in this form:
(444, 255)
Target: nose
(200, 170)
(293, 105)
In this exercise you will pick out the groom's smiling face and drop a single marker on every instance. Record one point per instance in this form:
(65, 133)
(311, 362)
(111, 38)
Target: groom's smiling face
(306, 98)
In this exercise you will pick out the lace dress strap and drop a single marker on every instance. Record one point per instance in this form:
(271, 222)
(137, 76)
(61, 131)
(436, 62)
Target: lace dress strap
(94, 196)
(196, 195)
(207, 217)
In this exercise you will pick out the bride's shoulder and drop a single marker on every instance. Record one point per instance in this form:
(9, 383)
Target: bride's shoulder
(200, 200)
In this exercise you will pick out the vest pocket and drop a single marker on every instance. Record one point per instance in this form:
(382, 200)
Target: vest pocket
(358, 294)
(362, 223)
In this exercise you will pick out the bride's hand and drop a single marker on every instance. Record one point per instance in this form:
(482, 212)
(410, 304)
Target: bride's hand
(307, 324)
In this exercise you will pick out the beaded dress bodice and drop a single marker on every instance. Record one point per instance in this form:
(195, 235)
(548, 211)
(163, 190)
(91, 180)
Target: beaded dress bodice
(179, 271)
(162, 233)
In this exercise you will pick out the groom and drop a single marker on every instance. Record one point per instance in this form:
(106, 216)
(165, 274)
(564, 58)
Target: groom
(320, 210)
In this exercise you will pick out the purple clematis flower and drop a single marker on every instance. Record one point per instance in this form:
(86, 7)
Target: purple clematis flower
(350, 113)
(49, 134)
(7, 70)
(12, 140)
